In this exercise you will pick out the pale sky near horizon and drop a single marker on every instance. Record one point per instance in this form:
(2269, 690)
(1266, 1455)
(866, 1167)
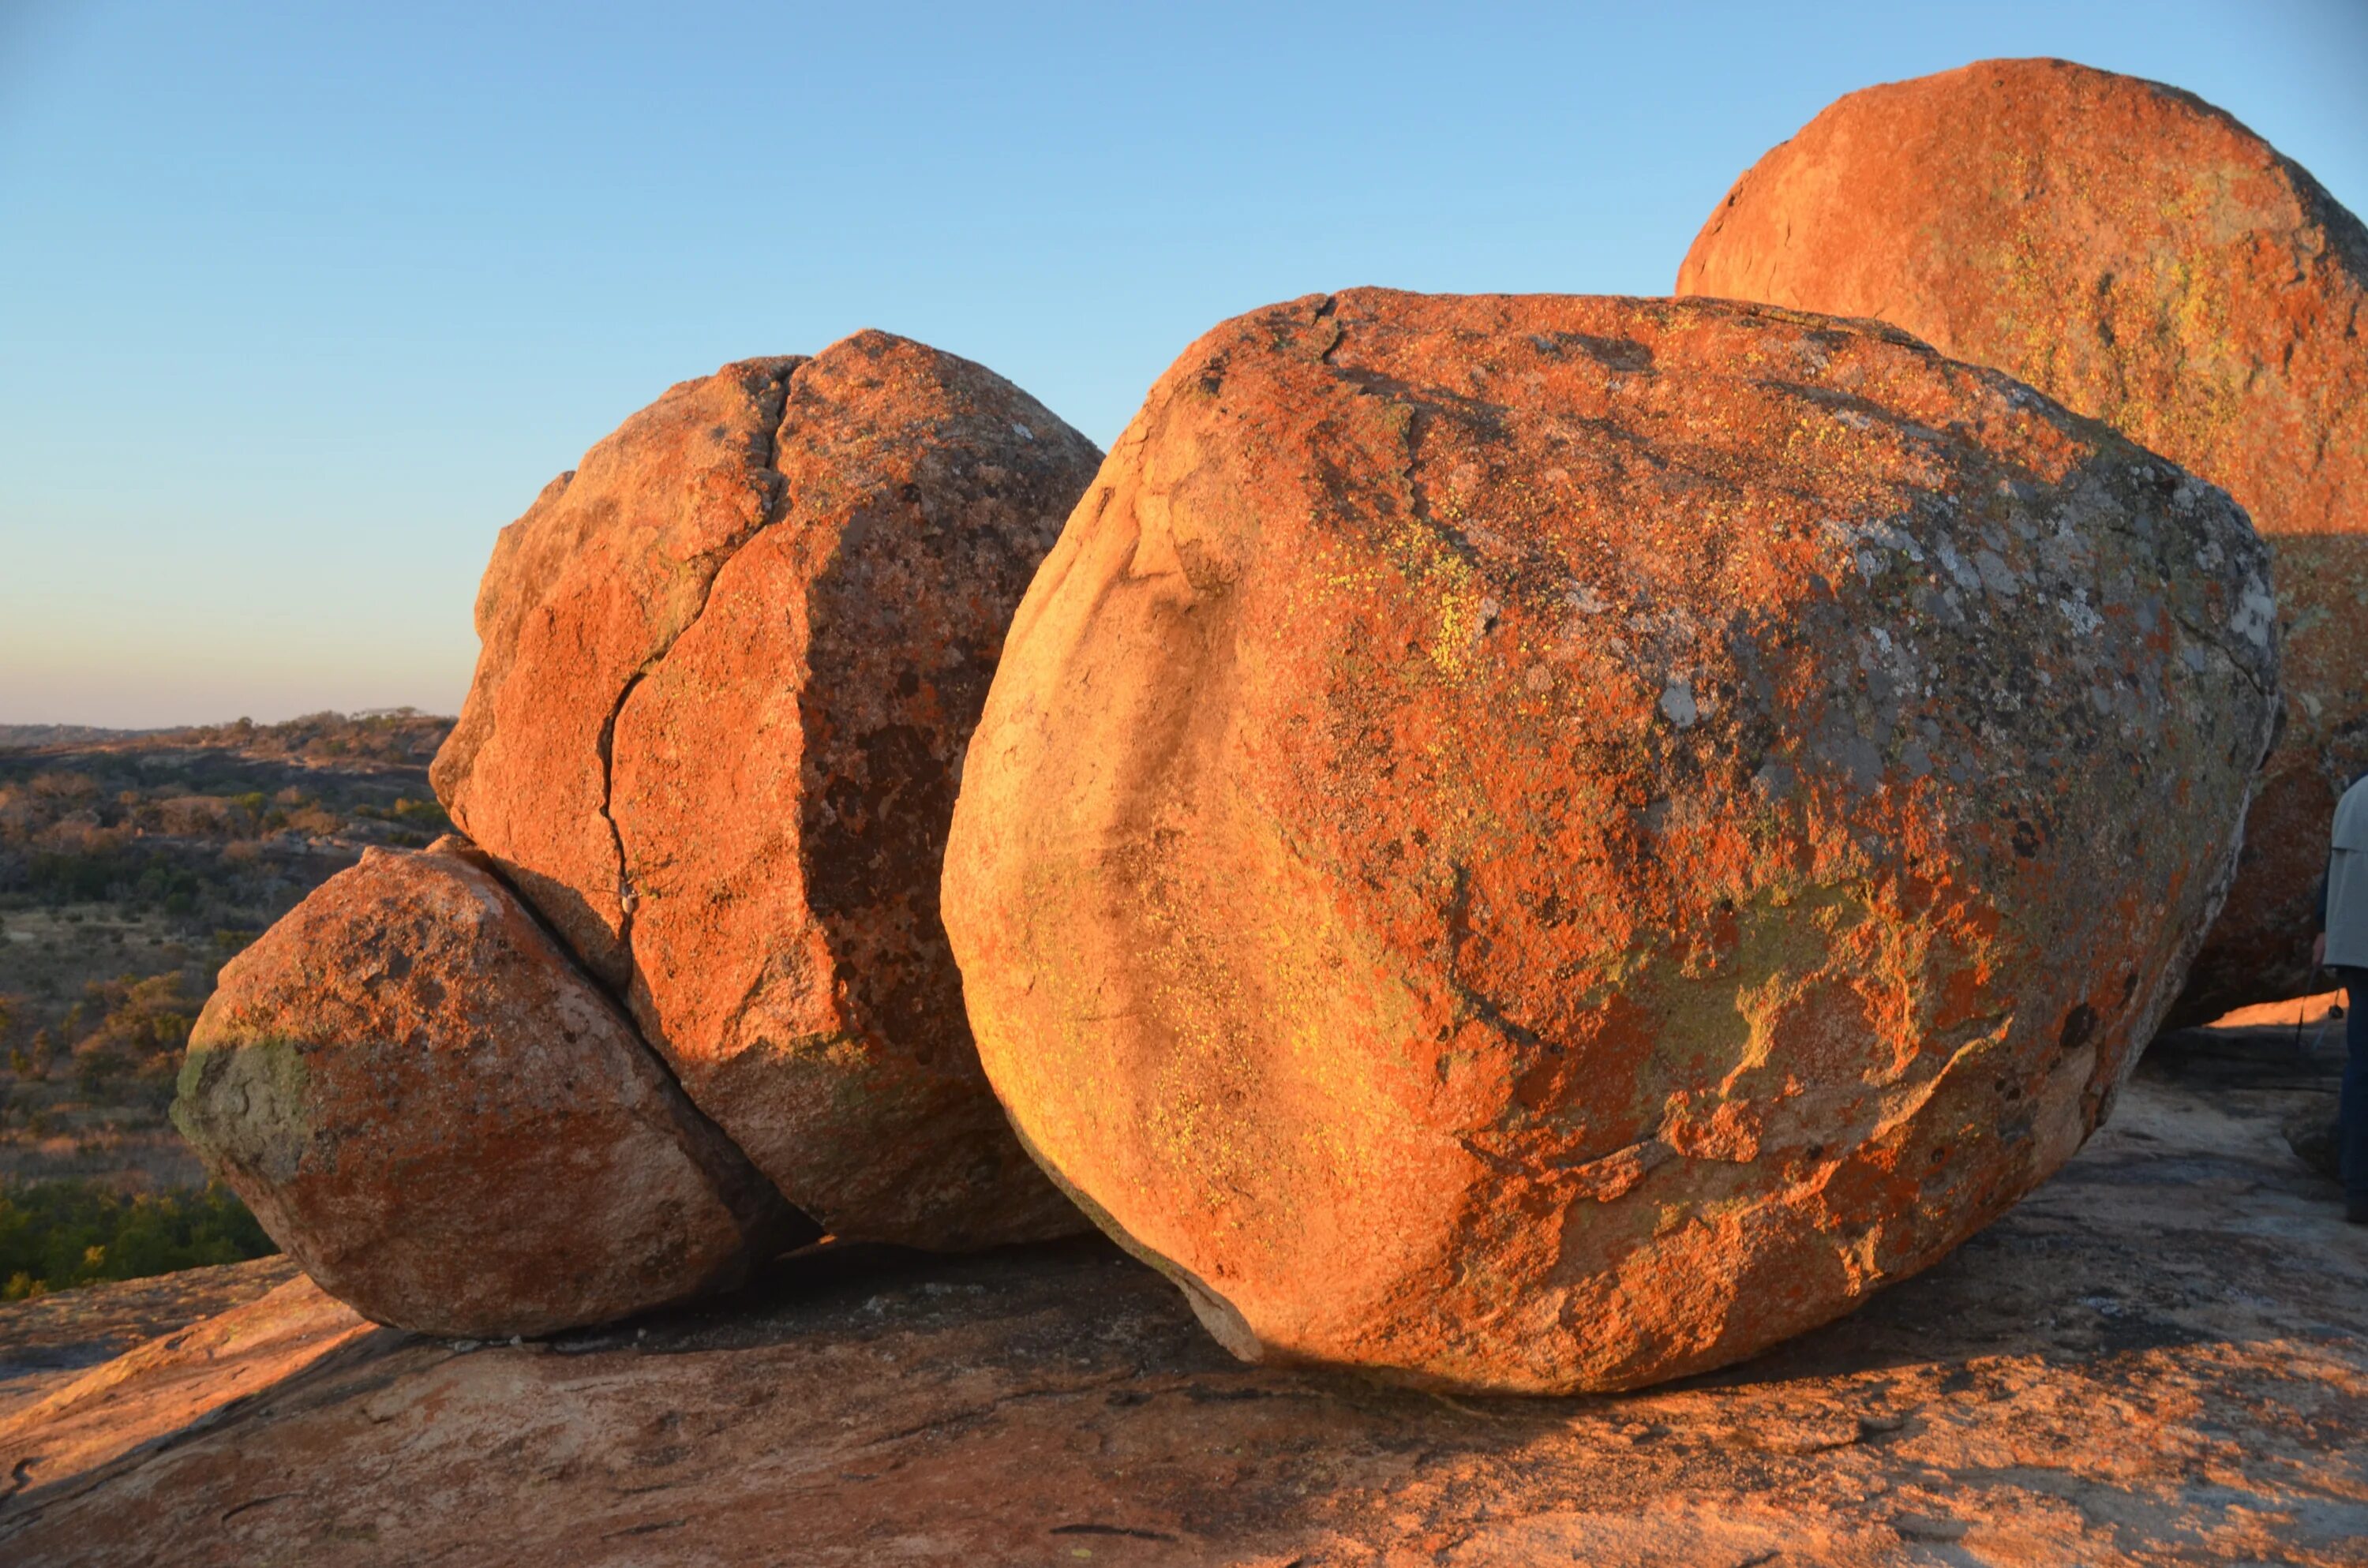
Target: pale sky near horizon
(301, 303)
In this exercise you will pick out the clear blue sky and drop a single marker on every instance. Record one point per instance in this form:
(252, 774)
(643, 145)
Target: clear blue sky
(299, 303)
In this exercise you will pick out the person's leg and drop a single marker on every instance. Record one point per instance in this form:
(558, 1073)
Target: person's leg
(2351, 1104)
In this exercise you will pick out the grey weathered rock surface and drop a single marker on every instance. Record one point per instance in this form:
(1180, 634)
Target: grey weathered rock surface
(2159, 1359)
(2143, 258)
(430, 1107)
(729, 668)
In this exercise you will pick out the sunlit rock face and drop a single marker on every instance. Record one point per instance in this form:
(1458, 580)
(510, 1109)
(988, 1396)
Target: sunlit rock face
(2142, 257)
(730, 664)
(432, 1108)
(1541, 843)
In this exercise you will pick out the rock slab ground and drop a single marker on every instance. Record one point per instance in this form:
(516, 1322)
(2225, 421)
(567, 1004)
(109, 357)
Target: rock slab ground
(2143, 258)
(1541, 843)
(729, 666)
(51, 1340)
(2161, 1357)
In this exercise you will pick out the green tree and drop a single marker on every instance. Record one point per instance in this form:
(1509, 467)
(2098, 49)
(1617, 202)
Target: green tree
(57, 1235)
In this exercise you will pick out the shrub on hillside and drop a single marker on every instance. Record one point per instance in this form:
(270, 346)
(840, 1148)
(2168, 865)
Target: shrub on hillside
(141, 1029)
(57, 1235)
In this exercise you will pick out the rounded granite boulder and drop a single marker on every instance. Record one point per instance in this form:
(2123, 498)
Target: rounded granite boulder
(1539, 843)
(2143, 258)
(729, 668)
(449, 1126)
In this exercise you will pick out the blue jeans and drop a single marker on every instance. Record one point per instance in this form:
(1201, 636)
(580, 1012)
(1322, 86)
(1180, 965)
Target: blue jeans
(2352, 1108)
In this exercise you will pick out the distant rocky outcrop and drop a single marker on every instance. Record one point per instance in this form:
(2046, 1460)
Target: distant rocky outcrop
(391, 738)
(2140, 256)
(730, 664)
(41, 737)
(1536, 843)
(428, 1105)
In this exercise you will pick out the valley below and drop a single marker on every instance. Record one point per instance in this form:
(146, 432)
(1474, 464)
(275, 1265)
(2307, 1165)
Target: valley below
(132, 867)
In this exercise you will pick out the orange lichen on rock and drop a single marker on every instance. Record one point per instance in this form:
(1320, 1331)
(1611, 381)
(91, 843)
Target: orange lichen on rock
(1542, 843)
(449, 1127)
(2143, 258)
(729, 668)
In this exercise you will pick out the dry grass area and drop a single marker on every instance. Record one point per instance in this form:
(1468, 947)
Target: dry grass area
(57, 1127)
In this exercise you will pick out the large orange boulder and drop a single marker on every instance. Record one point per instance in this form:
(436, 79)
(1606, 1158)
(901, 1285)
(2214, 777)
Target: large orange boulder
(449, 1126)
(2142, 257)
(1547, 843)
(729, 666)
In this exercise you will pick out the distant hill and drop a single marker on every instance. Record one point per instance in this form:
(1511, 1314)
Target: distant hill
(37, 737)
(402, 737)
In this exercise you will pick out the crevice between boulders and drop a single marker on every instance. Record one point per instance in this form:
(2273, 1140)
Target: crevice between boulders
(2170, 979)
(768, 1224)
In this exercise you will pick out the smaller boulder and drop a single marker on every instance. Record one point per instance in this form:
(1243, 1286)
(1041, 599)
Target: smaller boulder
(453, 1129)
(2316, 1139)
